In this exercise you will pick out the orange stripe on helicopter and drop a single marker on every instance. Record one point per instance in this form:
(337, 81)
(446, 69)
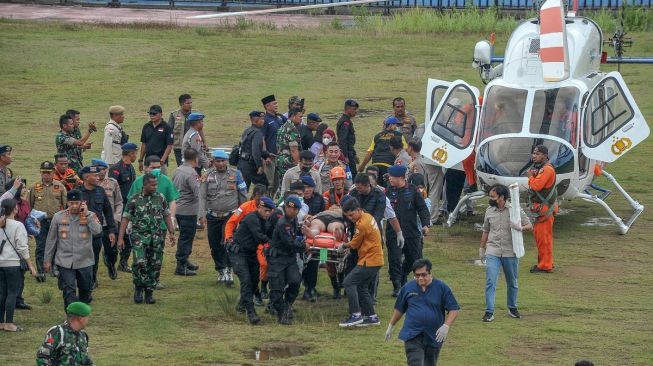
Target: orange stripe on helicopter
(552, 54)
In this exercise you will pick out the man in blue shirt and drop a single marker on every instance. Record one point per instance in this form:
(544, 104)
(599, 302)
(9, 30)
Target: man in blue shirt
(424, 301)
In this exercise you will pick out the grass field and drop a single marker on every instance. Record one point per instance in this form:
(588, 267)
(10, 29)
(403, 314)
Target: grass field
(595, 306)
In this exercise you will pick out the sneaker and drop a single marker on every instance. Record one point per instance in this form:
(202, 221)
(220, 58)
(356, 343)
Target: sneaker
(352, 321)
(258, 301)
(185, 272)
(229, 277)
(192, 266)
(537, 269)
(488, 317)
(221, 276)
(369, 321)
(514, 313)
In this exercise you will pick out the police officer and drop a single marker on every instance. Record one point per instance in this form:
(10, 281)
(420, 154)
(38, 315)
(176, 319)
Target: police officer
(249, 234)
(114, 135)
(221, 193)
(187, 182)
(272, 123)
(283, 271)
(67, 343)
(97, 201)
(252, 151)
(316, 204)
(114, 195)
(147, 211)
(71, 236)
(5, 173)
(125, 174)
(379, 150)
(193, 140)
(48, 196)
(347, 135)
(408, 204)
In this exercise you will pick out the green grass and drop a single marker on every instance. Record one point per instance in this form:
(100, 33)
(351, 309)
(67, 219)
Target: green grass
(596, 306)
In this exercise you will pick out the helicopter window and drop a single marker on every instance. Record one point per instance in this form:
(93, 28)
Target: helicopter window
(607, 111)
(436, 96)
(455, 120)
(555, 112)
(503, 111)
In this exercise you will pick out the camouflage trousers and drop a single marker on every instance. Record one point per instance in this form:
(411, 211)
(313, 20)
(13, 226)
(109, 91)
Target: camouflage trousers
(147, 251)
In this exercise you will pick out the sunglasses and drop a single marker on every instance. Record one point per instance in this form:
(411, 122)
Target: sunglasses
(419, 275)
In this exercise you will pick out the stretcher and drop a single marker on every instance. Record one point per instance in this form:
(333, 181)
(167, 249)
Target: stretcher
(324, 248)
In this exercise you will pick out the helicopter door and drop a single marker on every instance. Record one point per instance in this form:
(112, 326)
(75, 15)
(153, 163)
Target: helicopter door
(612, 123)
(451, 132)
(435, 90)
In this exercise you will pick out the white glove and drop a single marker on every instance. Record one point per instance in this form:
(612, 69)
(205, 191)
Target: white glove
(515, 225)
(481, 254)
(388, 332)
(341, 248)
(441, 333)
(400, 240)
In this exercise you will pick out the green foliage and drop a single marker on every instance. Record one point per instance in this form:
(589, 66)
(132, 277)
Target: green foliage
(45, 296)
(635, 19)
(336, 24)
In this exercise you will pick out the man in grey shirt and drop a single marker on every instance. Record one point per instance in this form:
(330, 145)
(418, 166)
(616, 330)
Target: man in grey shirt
(193, 140)
(397, 149)
(187, 182)
(71, 236)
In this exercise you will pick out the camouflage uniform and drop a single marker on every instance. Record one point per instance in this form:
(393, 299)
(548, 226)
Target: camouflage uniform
(288, 136)
(147, 214)
(77, 133)
(64, 347)
(66, 145)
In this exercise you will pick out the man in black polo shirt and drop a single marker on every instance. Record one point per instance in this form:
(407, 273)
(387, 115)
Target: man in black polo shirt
(156, 139)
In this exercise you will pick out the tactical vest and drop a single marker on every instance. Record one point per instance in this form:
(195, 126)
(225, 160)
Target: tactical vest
(124, 137)
(381, 152)
(546, 196)
(178, 130)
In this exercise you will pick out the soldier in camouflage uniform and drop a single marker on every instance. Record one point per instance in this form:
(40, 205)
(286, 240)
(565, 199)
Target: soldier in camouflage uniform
(75, 116)
(67, 344)
(67, 143)
(148, 211)
(289, 142)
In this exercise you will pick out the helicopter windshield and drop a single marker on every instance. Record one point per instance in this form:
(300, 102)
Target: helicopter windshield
(503, 112)
(511, 157)
(555, 112)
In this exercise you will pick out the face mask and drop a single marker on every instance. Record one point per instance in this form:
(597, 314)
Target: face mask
(301, 199)
(492, 203)
(156, 172)
(326, 141)
(305, 169)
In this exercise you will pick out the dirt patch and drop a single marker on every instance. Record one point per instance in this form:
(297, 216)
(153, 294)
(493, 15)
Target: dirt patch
(275, 351)
(533, 353)
(604, 270)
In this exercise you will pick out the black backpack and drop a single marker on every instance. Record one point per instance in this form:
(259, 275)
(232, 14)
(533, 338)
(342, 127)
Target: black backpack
(234, 155)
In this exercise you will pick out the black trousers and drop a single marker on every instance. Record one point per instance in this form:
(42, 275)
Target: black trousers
(127, 250)
(246, 268)
(418, 353)
(285, 279)
(10, 283)
(40, 244)
(215, 229)
(97, 248)
(178, 157)
(248, 169)
(110, 253)
(73, 280)
(357, 284)
(412, 251)
(309, 275)
(187, 229)
(352, 165)
(454, 181)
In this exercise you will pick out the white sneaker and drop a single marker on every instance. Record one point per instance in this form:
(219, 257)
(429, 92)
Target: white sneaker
(229, 276)
(221, 276)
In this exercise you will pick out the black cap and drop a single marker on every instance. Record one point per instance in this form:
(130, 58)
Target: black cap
(314, 117)
(307, 155)
(5, 149)
(296, 185)
(156, 109)
(74, 195)
(47, 166)
(268, 99)
(254, 114)
(351, 103)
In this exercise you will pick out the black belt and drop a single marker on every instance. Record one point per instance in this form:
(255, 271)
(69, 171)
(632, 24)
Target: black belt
(218, 215)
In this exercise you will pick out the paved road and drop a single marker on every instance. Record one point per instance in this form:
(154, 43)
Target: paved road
(80, 14)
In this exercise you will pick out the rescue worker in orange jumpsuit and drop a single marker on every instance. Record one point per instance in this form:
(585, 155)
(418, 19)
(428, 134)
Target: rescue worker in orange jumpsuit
(245, 209)
(333, 196)
(543, 201)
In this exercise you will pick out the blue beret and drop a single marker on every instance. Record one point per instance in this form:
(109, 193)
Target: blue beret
(89, 169)
(195, 117)
(130, 146)
(308, 180)
(99, 163)
(397, 171)
(267, 202)
(5, 149)
(314, 117)
(254, 114)
(392, 120)
(293, 201)
(220, 154)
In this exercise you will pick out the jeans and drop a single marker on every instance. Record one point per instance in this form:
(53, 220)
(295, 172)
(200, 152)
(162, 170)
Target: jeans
(70, 280)
(247, 269)
(510, 267)
(10, 281)
(215, 229)
(187, 229)
(420, 354)
(357, 284)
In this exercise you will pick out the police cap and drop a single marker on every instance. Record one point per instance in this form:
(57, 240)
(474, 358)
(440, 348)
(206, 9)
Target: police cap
(306, 155)
(314, 117)
(74, 195)
(220, 155)
(308, 181)
(47, 166)
(397, 171)
(5, 149)
(99, 163)
(155, 109)
(130, 146)
(193, 117)
(351, 103)
(267, 203)
(293, 201)
(254, 114)
(89, 169)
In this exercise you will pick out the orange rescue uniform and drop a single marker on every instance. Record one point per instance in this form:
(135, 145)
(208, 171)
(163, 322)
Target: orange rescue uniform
(543, 228)
(242, 211)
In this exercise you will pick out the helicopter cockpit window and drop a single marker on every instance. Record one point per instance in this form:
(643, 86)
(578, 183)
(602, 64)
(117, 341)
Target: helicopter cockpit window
(455, 120)
(555, 112)
(607, 111)
(436, 96)
(503, 111)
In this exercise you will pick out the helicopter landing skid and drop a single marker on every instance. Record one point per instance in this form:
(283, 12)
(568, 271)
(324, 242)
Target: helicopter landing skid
(468, 197)
(637, 207)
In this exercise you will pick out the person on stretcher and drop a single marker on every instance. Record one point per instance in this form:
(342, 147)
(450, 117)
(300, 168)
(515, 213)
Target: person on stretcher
(330, 221)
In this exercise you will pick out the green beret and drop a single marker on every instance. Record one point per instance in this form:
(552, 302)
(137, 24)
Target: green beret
(78, 308)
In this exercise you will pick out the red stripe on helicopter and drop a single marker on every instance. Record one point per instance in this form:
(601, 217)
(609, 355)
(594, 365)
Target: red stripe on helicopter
(552, 54)
(551, 20)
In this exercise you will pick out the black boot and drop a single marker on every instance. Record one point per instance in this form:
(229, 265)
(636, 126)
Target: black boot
(336, 288)
(138, 295)
(284, 318)
(113, 274)
(396, 286)
(124, 265)
(192, 266)
(264, 290)
(307, 294)
(252, 317)
(148, 297)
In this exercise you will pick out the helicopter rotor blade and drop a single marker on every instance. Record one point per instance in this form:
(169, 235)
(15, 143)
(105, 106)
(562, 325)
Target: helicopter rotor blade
(285, 9)
(553, 41)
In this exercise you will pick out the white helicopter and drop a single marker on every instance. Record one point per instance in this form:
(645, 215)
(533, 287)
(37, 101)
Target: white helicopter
(549, 90)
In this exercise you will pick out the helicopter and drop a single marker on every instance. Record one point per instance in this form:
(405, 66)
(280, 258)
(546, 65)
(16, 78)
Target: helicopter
(548, 89)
